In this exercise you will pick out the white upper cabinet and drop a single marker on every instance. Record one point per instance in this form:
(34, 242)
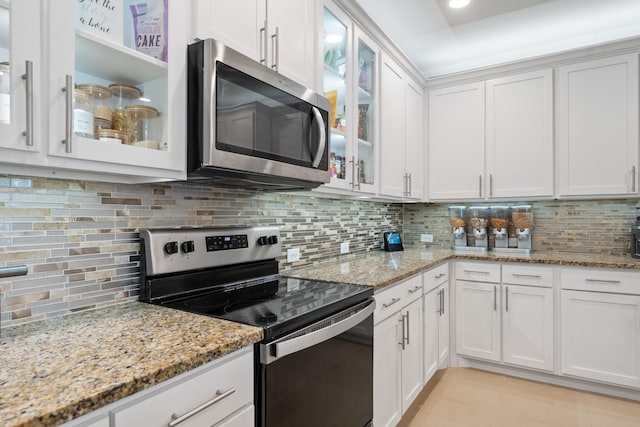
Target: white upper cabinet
(20, 93)
(519, 135)
(392, 175)
(456, 142)
(401, 144)
(598, 127)
(80, 56)
(414, 140)
(278, 33)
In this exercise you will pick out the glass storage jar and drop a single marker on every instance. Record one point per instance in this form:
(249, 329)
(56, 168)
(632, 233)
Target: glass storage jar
(499, 217)
(122, 95)
(83, 103)
(102, 104)
(142, 126)
(112, 136)
(5, 93)
(456, 216)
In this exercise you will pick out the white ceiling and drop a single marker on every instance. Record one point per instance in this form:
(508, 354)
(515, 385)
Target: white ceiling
(441, 41)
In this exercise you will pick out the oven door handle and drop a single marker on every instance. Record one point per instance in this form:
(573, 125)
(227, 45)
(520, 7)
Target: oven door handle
(295, 342)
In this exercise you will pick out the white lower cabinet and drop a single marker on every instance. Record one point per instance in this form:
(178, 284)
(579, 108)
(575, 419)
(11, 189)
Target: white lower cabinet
(397, 351)
(600, 325)
(510, 322)
(436, 320)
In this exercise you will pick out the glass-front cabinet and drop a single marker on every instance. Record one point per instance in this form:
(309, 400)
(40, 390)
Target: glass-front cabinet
(350, 83)
(116, 106)
(19, 85)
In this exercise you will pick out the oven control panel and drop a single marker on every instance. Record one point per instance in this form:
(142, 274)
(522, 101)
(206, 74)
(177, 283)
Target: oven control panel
(223, 243)
(170, 250)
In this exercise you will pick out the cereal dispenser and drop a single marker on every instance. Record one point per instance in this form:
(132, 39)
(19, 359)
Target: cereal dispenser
(522, 219)
(479, 220)
(499, 225)
(456, 218)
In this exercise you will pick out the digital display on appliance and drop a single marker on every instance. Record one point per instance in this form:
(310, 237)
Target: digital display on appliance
(394, 239)
(223, 243)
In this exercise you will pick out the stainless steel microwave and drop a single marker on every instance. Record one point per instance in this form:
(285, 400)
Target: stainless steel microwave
(251, 127)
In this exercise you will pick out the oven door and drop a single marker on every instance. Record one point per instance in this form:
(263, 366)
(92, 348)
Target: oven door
(320, 376)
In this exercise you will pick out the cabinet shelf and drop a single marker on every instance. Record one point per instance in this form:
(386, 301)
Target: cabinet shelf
(364, 94)
(114, 62)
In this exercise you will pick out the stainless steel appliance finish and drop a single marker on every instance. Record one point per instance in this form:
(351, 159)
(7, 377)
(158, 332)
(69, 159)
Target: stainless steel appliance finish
(314, 366)
(251, 127)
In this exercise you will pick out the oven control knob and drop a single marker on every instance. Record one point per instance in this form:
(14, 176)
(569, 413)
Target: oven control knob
(272, 240)
(187, 246)
(171, 248)
(262, 240)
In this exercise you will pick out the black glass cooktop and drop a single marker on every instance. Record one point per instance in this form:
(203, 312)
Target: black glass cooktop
(280, 306)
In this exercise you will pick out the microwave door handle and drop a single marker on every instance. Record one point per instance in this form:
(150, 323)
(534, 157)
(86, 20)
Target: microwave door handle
(323, 137)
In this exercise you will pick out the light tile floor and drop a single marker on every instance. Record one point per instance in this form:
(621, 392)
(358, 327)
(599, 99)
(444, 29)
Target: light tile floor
(473, 398)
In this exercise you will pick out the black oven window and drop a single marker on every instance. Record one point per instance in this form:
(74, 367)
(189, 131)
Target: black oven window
(259, 120)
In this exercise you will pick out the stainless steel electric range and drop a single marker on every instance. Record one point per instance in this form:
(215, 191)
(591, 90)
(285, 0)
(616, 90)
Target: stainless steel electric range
(314, 366)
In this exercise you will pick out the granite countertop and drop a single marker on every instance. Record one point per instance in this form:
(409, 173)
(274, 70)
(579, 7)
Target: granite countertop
(56, 370)
(379, 269)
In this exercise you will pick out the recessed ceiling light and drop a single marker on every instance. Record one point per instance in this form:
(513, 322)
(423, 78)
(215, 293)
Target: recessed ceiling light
(457, 4)
(333, 38)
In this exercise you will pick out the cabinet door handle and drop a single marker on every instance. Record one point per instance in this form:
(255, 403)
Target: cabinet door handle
(633, 179)
(414, 290)
(490, 185)
(410, 184)
(220, 395)
(442, 297)
(68, 120)
(402, 340)
(263, 44)
(476, 271)
(357, 172)
(407, 333)
(480, 184)
(353, 179)
(439, 276)
(389, 304)
(506, 296)
(28, 79)
(533, 276)
(275, 49)
(615, 282)
(495, 300)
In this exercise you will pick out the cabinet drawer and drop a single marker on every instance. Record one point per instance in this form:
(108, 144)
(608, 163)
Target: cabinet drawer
(601, 280)
(435, 277)
(201, 387)
(515, 274)
(478, 271)
(392, 299)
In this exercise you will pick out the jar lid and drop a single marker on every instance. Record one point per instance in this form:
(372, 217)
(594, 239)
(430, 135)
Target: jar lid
(111, 133)
(83, 95)
(145, 111)
(98, 91)
(124, 90)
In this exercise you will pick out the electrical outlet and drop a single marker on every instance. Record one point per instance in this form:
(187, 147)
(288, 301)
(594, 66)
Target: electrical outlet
(344, 247)
(293, 255)
(426, 238)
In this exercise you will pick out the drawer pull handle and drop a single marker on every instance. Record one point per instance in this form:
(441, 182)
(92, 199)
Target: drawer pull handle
(477, 271)
(220, 395)
(440, 276)
(533, 276)
(389, 304)
(615, 282)
(414, 290)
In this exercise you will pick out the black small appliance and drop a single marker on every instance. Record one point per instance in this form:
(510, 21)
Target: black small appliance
(392, 242)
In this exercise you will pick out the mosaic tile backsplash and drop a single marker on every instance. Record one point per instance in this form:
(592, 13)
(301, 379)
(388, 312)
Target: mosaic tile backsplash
(80, 239)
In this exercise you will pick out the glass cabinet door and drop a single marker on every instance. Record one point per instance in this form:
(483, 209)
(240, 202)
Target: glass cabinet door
(19, 65)
(366, 90)
(336, 72)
